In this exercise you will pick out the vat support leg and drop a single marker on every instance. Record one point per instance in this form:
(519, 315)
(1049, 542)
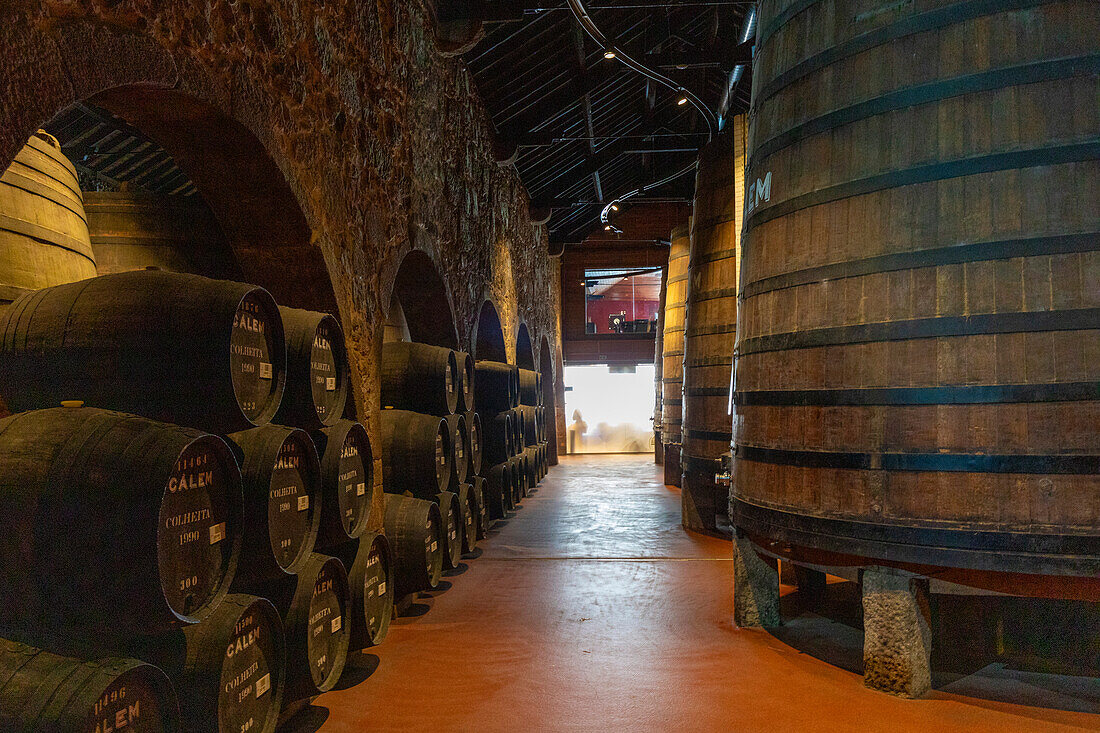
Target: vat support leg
(897, 637)
(755, 587)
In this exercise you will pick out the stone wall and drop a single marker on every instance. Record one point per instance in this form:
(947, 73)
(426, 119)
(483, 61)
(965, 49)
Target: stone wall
(343, 110)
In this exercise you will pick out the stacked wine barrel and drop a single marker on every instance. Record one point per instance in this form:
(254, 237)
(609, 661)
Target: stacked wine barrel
(432, 450)
(164, 533)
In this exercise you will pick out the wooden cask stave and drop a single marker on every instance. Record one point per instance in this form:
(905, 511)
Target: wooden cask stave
(478, 488)
(229, 671)
(282, 502)
(43, 227)
(474, 440)
(416, 453)
(529, 387)
(177, 348)
(672, 358)
(347, 482)
(414, 528)
(42, 692)
(498, 490)
(710, 322)
(316, 370)
(471, 513)
(496, 387)
(318, 629)
(658, 370)
(466, 378)
(165, 504)
(451, 528)
(920, 387)
(419, 378)
(460, 457)
(498, 440)
(370, 579)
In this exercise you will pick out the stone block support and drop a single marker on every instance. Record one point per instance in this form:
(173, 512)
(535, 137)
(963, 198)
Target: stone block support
(897, 641)
(755, 587)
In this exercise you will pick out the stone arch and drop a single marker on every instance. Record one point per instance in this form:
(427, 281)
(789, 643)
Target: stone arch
(549, 398)
(488, 338)
(419, 307)
(135, 79)
(525, 354)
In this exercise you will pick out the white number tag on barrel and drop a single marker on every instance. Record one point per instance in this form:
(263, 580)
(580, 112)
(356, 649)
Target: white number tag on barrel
(263, 684)
(265, 370)
(360, 489)
(336, 623)
(330, 384)
(217, 533)
(303, 503)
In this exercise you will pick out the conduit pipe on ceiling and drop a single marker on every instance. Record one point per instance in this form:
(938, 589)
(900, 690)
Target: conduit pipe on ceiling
(590, 27)
(748, 30)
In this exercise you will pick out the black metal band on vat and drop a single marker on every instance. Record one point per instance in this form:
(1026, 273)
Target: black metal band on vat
(958, 545)
(983, 394)
(1062, 464)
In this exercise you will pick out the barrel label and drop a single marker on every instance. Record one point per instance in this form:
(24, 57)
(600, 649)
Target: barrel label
(382, 588)
(440, 458)
(250, 362)
(758, 193)
(352, 483)
(434, 545)
(127, 703)
(246, 675)
(323, 373)
(193, 515)
(263, 684)
(288, 514)
(326, 640)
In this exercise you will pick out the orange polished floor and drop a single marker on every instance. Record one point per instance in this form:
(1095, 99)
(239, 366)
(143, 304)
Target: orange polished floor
(591, 609)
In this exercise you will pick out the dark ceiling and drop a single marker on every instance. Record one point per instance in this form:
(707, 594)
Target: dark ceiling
(584, 129)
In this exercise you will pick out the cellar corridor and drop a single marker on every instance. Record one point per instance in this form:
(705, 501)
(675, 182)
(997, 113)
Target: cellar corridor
(591, 608)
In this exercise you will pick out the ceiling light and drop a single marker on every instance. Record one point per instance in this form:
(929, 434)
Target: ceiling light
(614, 207)
(607, 228)
(609, 54)
(682, 101)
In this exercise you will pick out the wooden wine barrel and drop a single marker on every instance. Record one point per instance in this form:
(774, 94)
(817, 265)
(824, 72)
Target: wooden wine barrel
(317, 626)
(282, 502)
(43, 227)
(499, 497)
(229, 670)
(473, 442)
(519, 478)
(497, 443)
(370, 579)
(451, 529)
(105, 511)
(460, 441)
(414, 528)
(528, 387)
(658, 371)
(178, 348)
(529, 424)
(466, 378)
(478, 489)
(519, 429)
(40, 691)
(347, 482)
(531, 466)
(467, 502)
(134, 230)
(419, 378)
(495, 387)
(416, 453)
(672, 368)
(710, 323)
(920, 321)
(316, 370)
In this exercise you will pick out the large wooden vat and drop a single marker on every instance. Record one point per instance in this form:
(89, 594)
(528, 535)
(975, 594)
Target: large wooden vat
(134, 230)
(710, 321)
(672, 339)
(43, 228)
(919, 349)
(658, 372)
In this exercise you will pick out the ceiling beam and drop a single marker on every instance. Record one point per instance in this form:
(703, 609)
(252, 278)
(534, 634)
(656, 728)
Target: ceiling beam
(555, 101)
(725, 54)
